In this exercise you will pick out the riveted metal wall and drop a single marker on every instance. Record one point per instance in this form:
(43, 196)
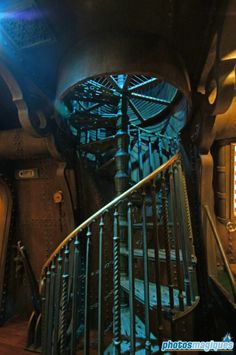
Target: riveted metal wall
(45, 212)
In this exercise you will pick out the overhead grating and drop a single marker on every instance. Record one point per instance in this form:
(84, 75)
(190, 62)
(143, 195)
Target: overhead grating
(146, 96)
(25, 25)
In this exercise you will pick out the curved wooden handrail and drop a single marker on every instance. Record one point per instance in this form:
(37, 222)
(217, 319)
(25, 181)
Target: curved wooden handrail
(221, 249)
(105, 208)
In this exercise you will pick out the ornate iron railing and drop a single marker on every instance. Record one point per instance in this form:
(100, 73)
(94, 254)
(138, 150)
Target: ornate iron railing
(218, 265)
(147, 149)
(88, 303)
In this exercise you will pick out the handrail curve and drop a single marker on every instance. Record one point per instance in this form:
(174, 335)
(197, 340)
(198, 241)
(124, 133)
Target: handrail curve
(108, 206)
(221, 249)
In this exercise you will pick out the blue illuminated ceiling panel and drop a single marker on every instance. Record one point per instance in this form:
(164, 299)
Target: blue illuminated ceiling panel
(24, 25)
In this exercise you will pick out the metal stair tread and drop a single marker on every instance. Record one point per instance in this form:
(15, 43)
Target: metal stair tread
(138, 253)
(140, 225)
(93, 120)
(139, 293)
(139, 333)
(148, 224)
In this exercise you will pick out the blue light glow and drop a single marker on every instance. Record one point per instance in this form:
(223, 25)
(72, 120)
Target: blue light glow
(29, 14)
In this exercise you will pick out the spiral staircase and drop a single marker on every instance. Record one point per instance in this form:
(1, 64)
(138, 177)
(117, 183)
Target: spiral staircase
(124, 279)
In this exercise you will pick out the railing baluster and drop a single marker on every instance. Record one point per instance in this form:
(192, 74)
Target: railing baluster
(160, 147)
(64, 284)
(177, 240)
(150, 153)
(129, 152)
(168, 149)
(181, 217)
(157, 262)
(131, 280)
(100, 290)
(45, 306)
(75, 300)
(166, 240)
(87, 294)
(51, 308)
(187, 233)
(140, 155)
(172, 146)
(110, 205)
(48, 312)
(88, 138)
(64, 302)
(116, 286)
(79, 135)
(57, 304)
(191, 250)
(146, 276)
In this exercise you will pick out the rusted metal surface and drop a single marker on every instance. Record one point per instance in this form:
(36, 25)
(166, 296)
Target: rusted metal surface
(220, 247)
(222, 182)
(224, 197)
(17, 144)
(41, 222)
(214, 110)
(225, 127)
(5, 222)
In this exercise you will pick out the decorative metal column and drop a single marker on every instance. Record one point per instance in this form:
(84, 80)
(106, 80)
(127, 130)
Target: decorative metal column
(121, 176)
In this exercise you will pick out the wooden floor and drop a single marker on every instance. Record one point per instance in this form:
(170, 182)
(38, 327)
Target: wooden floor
(13, 338)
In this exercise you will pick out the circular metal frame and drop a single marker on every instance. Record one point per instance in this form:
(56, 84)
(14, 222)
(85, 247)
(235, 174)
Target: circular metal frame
(142, 54)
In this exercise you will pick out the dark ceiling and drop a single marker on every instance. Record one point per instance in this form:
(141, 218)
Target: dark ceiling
(34, 45)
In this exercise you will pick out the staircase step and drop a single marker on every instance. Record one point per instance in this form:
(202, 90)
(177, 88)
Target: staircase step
(149, 225)
(99, 146)
(140, 225)
(138, 253)
(139, 293)
(83, 119)
(139, 333)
